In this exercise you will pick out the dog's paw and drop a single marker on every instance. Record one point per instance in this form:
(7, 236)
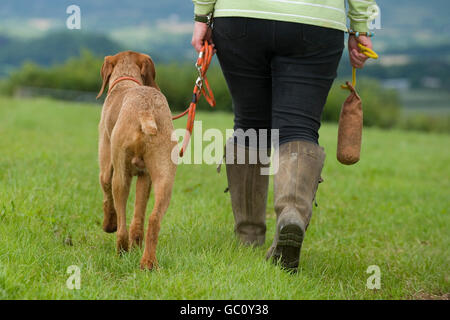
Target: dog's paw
(122, 245)
(109, 226)
(109, 218)
(149, 264)
(136, 239)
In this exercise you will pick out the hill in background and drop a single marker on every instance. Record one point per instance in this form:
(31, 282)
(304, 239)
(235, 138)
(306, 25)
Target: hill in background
(139, 23)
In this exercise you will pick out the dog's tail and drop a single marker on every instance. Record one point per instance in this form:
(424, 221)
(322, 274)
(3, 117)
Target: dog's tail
(148, 124)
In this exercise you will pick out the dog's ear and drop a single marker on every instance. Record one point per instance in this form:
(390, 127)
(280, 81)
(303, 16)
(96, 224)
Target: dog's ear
(107, 69)
(148, 71)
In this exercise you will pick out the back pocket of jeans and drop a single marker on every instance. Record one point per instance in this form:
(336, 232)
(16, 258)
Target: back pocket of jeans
(315, 37)
(230, 28)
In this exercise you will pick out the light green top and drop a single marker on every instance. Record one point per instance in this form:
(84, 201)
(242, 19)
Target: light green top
(325, 13)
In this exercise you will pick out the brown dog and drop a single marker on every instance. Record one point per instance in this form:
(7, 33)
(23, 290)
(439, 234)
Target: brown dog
(134, 140)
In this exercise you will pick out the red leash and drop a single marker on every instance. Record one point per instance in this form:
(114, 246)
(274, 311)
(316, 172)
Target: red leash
(201, 88)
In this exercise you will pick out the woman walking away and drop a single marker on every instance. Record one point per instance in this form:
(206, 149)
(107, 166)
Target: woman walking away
(279, 59)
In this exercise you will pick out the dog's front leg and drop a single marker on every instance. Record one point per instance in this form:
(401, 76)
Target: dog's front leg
(106, 172)
(121, 189)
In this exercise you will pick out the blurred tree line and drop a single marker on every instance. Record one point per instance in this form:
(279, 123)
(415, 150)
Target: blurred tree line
(52, 48)
(414, 72)
(382, 107)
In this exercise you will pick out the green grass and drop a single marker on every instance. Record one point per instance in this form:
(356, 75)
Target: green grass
(390, 210)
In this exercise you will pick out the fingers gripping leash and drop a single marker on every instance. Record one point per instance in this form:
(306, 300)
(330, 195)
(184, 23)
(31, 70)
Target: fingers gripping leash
(369, 53)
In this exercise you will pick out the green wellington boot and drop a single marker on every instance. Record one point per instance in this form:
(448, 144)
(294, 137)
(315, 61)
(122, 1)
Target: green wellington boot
(295, 186)
(248, 190)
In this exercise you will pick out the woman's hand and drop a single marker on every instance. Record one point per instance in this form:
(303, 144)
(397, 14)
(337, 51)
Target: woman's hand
(201, 33)
(357, 59)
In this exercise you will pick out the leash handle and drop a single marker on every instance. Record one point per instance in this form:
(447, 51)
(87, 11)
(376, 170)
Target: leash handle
(369, 53)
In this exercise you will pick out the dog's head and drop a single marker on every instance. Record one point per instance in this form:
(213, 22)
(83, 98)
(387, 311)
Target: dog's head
(128, 64)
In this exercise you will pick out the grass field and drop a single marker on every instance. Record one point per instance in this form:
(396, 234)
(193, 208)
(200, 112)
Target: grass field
(390, 210)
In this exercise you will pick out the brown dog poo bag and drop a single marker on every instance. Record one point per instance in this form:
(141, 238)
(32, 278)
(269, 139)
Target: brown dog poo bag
(350, 129)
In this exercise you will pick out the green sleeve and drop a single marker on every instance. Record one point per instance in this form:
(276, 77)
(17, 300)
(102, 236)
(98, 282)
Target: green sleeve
(359, 13)
(203, 7)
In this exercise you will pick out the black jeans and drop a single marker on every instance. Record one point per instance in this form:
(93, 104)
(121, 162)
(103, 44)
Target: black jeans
(279, 73)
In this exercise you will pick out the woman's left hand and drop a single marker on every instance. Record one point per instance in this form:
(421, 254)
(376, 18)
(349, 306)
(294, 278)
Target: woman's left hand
(357, 59)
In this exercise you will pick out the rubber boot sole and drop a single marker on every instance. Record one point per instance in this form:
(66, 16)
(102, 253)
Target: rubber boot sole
(289, 244)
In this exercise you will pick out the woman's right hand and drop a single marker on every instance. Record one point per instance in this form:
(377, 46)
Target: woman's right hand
(201, 33)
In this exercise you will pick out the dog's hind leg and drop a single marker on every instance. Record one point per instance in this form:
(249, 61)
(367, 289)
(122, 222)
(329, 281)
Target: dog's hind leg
(143, 186)
(163, 183)
(106, 172)
(121, 189)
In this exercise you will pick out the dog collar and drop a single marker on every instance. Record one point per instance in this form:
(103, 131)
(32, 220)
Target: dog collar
(123, 79)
